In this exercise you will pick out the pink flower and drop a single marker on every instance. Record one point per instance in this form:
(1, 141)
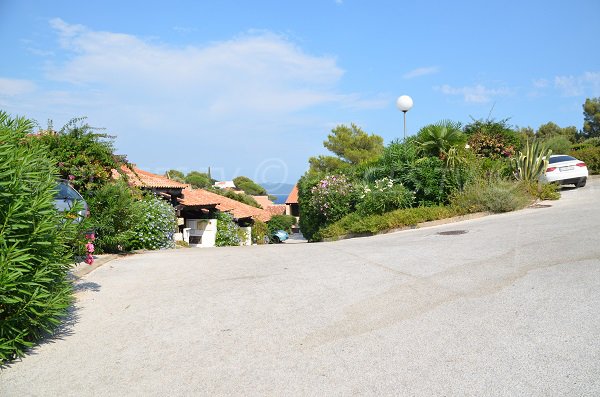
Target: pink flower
(89, 259)
(71, 177)
(90, 236)
(89, 247)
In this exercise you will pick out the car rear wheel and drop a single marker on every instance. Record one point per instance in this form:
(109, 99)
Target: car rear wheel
(275, 240)
(581, 182)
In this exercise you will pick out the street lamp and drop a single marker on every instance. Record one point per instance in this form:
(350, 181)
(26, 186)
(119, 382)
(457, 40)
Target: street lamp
(404, 103)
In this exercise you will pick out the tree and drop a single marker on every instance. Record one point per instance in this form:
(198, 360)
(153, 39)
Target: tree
(82, 155)
(591, 118)
(198, 180)
(437, 139)
(351, 145)
(175, 175)
(249, 186)
(550, 130)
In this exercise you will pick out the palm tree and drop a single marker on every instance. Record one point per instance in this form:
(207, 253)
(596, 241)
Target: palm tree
(437, 139)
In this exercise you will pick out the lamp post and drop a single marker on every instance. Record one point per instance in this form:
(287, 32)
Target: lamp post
(404, 103)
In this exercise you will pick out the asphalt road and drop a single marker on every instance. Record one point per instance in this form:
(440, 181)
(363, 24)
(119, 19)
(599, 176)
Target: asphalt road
(511, 307)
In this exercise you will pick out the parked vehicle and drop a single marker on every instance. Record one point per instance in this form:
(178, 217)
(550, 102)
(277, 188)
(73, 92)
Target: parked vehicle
(66, 197)
(279, 236)
(566, 170)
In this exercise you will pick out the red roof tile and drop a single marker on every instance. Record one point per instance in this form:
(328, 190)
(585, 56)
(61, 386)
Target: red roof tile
(277, 209)
(263, 201)
(141, 178)
(293, 197)
(225, 204)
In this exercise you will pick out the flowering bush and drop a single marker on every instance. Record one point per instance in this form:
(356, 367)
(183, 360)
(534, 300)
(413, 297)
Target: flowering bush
(490, 146)
(332, 197)
(384, 196)
(228, 233)
(157, 226)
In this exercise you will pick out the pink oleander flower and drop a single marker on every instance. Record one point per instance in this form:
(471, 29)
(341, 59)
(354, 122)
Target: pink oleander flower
(71, 177)
(90, 236)
(89, 247)
(89, 259)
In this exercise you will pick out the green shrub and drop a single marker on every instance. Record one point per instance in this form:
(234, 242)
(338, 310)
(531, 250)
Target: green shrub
(35, 255)
(356, 224)
(559, 144)
(228, 233)
(281, 222)
(114, 215)
(157, 227)
(492, 196)
(384, 196)
(260, 232)
(249, 186)
(590, 156)
(543, 191)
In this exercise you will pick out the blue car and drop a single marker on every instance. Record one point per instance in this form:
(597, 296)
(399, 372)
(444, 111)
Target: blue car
(279, 236)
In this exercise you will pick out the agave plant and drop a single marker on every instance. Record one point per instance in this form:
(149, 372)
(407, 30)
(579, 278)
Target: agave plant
(437, 139)
(531, 163)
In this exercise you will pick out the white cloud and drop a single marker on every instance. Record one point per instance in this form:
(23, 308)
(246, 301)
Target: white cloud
(418, 72)
(15, 87)
(475, 94)
(254, 72)
(584, 84)
(541, 83)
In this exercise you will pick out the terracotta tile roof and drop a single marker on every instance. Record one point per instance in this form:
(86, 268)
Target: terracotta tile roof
(263, 201)
(143, 178)
(293, 197)
(224, 204)
(276, 209)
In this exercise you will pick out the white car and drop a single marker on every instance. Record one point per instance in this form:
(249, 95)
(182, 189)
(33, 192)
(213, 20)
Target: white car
(565, 170)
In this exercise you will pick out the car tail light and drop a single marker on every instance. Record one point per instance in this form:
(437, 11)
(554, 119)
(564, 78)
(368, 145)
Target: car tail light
(580, 164)
(550, 169)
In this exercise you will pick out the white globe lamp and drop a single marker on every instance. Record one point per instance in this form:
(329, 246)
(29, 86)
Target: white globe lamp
(404, 103)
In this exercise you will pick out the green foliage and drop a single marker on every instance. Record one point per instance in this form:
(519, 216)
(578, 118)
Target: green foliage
(228, 233)
(357, 224)
(82, 153)
(199, 180)
(352, 146)
(175, 175)
(590, 142)
(551, 130)
(383, 196)
(34, 241)
(559, 144)
(591, 118)
(155, 231)
(437, 139)
(328, 164)
(249, 186)
(331, 198)
(281, 222)
(241, 197)
(543, 191)
(310, 221)
(114, 215)
(491, 195)
(590, 156)
(531, 162)
(260, 233)
(490, 138)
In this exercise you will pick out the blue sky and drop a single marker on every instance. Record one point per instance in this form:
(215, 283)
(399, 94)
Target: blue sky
(254, 87)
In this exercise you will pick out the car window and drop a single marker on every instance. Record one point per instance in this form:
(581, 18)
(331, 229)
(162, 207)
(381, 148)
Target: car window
(559, 159)
(66, 192)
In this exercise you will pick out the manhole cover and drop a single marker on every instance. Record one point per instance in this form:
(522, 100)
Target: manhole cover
(452, 232)
(540, 206)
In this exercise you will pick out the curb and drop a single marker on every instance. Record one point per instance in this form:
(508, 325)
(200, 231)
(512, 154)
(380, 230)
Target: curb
(420, 225)
(82, 268)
